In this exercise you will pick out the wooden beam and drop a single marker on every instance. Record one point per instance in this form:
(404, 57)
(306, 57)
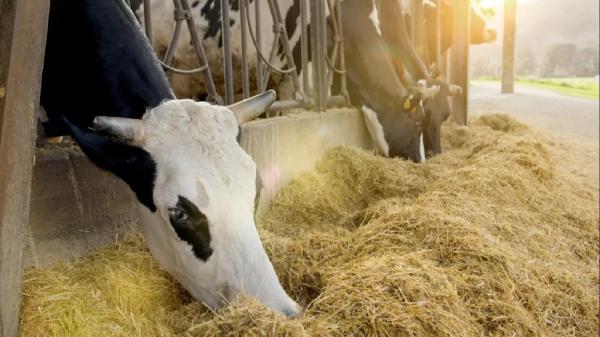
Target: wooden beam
(508, 47)
(459, 67)
(23, 25)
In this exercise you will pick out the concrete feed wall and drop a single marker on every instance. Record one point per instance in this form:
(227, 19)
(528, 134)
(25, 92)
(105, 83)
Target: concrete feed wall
(286, 146)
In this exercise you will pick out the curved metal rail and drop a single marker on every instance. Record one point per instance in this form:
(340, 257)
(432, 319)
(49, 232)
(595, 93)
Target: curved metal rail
(324, 65)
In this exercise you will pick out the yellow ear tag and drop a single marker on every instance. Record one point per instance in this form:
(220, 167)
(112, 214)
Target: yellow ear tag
(407, 103)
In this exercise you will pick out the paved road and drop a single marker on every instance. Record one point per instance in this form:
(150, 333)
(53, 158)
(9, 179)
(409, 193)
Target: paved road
(570, 117)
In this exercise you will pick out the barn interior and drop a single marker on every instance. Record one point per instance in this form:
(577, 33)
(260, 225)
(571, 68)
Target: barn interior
(497, 236)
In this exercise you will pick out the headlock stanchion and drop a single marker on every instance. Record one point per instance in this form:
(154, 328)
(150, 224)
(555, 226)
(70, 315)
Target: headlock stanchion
(325, 61)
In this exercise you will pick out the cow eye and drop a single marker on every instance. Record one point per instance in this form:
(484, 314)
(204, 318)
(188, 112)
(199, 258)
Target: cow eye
(178, 214)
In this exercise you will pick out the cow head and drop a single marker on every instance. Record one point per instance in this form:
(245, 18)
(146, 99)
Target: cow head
(396, 125)
(433, 92)
(437, 109)
(196, 186)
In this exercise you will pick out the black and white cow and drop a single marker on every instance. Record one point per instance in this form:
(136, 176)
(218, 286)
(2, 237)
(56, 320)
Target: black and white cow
(393, 113)
(437, 107)
(194, 183)
(402, 130)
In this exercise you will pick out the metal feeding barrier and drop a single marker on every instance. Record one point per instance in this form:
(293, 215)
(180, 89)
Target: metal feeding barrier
(324, 60)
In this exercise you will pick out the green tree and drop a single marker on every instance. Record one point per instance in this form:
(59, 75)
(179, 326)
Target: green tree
(560, 59)
(586, 62)
(526, 62)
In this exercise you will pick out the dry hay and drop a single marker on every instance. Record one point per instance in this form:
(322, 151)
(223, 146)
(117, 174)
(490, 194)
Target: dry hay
(498, 236)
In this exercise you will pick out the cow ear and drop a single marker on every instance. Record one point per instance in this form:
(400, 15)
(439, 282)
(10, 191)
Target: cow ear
(126, 130)
(132, 164)
(455, 90)
(252, 107)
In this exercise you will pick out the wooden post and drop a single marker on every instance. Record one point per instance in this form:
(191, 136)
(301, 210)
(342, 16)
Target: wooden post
(23, 25)
(508, 47)
(459, 67)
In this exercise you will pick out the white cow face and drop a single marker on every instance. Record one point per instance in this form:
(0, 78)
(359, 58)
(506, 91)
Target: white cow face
(202, 230)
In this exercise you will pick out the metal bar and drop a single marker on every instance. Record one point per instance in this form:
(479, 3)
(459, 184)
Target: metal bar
(23, 25)
(226, 38)
(259, 52)
(148, 20)
(438, 36)
(460, 59)
(283, 39)
(245, 75)
(344, 87)
(336, 43)
(318, 51)
(332, 101)
(267, 72)
(304, 47)
(175, 36)
(323, 53)
(195, 36)
(259, 71)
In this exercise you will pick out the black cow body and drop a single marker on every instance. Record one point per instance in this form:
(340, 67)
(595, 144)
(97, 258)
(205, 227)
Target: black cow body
(98, 62)
(479, 32)
(372, 82)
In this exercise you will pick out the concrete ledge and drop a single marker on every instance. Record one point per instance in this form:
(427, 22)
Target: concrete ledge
(76, 207)
(285, 147)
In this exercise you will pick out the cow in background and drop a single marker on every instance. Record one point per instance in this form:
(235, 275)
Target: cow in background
(403, 126)
(479, 31)
(437, 107)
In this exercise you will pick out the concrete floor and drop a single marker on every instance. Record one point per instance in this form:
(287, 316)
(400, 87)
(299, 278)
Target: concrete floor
(570, 117)
(75, 206)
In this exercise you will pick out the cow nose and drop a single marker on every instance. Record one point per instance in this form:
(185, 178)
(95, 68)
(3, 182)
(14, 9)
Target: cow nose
(294, 311)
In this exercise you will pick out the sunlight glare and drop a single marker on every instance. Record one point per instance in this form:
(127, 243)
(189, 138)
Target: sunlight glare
(498, 4)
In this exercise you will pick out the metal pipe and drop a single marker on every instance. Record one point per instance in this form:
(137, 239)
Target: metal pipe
(323, 52)
(208, 80)
(226, 38)
(179, 16)
(332, 101)
(283, 36)
(304, 47)
(344, 87)
(318, 47)
(267, 72)
(245, 76)
(148, 20)
(259, 71)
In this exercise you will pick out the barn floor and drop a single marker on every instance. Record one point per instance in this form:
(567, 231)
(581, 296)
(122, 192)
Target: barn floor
(75, 207)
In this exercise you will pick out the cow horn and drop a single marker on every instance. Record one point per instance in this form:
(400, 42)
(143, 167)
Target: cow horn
(427, 92)
(127, 130)
(455, 90)
(252, 107)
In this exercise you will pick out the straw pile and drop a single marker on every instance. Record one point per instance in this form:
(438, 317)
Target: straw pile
(498, 236)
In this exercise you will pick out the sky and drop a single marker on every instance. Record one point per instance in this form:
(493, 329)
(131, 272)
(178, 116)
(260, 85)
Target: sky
(541, 23)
